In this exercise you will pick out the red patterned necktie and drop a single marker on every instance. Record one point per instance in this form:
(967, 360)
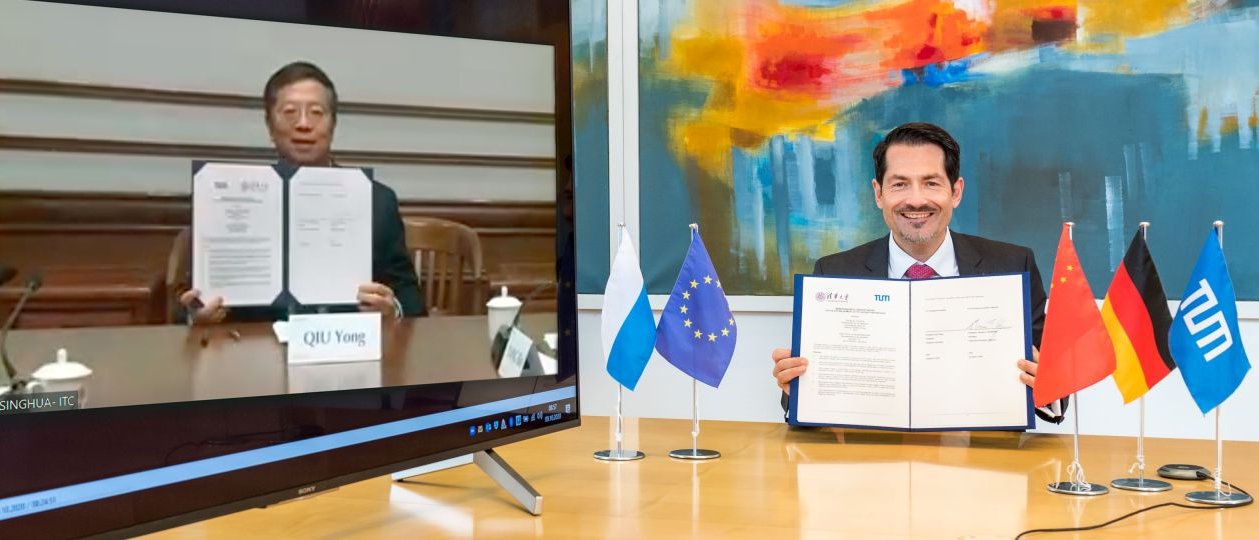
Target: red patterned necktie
(920, 271)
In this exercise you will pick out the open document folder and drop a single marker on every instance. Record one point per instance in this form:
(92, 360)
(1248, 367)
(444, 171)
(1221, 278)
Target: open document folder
(937, 354)
(256, 235)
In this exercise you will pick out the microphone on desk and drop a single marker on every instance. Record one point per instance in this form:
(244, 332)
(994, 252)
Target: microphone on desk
(12, 383)
(6, 273)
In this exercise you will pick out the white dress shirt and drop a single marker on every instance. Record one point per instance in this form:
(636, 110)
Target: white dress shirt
(943, 261)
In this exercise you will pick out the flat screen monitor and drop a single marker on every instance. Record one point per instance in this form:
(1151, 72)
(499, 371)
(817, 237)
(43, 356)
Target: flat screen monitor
(457, 113)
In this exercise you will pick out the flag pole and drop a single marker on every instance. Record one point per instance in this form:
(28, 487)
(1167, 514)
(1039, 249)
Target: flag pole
(1076, 484)
(1219, 497)
(619, 453)
(1219, 453)
(695, 419)
(619, 435)
(694, 452)
(1140, 483)
(1219, 443)
(1141, 445)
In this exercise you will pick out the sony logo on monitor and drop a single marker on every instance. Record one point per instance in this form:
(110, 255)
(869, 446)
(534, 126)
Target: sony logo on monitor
(303, 491)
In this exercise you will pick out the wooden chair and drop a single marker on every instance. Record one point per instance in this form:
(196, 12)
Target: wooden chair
(178, 274)
(446, 254)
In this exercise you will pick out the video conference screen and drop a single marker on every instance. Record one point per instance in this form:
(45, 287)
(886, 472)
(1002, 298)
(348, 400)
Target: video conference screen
(291, 242)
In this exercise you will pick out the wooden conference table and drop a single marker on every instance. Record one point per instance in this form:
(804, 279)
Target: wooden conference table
(771, 482)
(137, 365)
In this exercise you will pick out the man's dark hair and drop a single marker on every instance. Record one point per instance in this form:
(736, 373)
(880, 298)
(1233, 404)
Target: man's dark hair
(917, 134)
(297, 72)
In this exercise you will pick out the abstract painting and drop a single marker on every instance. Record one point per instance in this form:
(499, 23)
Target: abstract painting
(758, 118)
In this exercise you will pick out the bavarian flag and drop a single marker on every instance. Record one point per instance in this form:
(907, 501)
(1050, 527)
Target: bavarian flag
(1137, 319)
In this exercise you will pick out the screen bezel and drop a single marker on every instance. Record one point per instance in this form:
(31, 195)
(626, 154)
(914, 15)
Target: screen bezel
(553, 30)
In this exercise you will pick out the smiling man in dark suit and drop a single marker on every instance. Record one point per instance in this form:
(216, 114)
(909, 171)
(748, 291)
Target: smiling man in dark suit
(301, 116)
(917, 185)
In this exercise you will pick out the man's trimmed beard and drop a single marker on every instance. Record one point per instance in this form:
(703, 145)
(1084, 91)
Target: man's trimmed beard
(923, 235)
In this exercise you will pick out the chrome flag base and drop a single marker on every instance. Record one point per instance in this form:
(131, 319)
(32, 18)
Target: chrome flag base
(699, 454)
(619, 455)
(1083, 489)
(1140, 484)
(1217, 498)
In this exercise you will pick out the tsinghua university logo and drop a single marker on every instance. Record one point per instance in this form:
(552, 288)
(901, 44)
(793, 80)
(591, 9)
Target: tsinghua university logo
(822, 296)
(1206, 322)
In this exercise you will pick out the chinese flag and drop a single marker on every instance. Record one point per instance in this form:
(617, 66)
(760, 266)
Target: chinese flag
(1075, 350)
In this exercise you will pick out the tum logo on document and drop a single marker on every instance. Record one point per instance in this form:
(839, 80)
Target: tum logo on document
(1207, 328)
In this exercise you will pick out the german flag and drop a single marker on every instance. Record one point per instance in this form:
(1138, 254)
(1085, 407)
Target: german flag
(1136, 317)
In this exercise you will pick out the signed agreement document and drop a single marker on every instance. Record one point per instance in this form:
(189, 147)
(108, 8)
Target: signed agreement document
(935, 354)
(257, 235)
(330, 234)
(238, 242)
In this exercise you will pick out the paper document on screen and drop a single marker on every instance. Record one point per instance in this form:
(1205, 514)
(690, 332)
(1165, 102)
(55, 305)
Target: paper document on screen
(330, 234)
(237, 244)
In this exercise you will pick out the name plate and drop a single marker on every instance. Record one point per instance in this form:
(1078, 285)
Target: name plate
(515, 354)
(334, 337)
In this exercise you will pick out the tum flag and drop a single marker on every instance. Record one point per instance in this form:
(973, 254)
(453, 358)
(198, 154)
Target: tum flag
(696, 332)
(1136, 317)
(1075, 350)
(1204, 339)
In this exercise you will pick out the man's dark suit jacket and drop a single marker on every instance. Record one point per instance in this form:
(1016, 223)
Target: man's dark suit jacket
(391, 263)
(975, 256)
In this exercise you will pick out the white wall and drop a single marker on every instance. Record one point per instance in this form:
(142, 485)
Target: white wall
(160, 51)
(749, 393)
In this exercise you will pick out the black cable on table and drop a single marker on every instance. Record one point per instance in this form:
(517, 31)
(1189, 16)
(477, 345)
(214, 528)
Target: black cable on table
(1201, 476)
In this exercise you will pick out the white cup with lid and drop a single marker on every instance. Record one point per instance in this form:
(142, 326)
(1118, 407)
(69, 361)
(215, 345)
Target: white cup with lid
(63, 375)
(501, 311)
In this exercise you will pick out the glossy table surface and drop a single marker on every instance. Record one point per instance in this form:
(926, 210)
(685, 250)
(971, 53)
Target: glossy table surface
(771, 482)
(135, 365)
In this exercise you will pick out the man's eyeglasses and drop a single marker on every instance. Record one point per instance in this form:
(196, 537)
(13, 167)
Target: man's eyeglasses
(293, 114)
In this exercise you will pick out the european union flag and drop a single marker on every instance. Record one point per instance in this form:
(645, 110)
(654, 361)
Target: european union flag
(1204, 338)
(696, 332)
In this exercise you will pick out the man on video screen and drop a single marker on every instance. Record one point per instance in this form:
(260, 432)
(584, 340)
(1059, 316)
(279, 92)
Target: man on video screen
(301, 116)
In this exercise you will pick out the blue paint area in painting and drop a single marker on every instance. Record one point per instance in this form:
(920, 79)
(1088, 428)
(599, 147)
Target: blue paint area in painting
(750, 199)
(1221, 57)
(590, 145)
(668, 203)
(780, 199)
(935, 75)
(1019, 133)
(590, 189)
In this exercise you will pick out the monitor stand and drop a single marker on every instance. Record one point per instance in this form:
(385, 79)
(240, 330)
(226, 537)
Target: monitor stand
(496, 467)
